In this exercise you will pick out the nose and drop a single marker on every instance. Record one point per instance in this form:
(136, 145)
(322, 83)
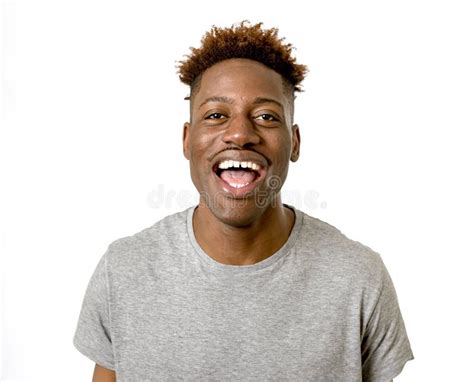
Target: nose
(241, 132)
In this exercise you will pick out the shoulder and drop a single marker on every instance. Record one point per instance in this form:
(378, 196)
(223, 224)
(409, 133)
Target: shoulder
(339, 254)
(168, 235)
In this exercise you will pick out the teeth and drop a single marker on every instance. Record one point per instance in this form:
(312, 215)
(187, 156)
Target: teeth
(238, 185)
(236, 164)
(224, 165)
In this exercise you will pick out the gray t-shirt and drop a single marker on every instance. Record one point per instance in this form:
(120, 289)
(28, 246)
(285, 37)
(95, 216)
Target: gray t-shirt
(322, 308)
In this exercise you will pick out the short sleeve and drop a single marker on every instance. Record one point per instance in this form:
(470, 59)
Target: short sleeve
(385, 345)
(93, 337)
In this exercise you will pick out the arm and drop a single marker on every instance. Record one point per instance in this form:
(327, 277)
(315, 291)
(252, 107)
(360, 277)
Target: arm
(93, 334)
(385, 345)
(101, 374)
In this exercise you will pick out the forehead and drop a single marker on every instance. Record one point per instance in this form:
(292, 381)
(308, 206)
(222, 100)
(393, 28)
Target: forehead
(241, 79)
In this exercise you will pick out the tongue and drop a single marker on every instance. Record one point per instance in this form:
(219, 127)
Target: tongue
(237, 176)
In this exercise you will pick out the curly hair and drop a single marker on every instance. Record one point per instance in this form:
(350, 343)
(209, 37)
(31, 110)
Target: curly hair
(242, 40)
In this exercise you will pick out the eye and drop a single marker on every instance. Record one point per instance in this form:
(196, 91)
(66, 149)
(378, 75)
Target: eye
(266, 117)
(215, 116)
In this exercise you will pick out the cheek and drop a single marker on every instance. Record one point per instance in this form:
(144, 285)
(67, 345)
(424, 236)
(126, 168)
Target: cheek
(201, 149)
(283, 148)
(198, 144)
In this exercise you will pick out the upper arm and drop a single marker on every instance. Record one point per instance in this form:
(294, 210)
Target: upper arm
(93, 336)
(385, 346)
(101, 374)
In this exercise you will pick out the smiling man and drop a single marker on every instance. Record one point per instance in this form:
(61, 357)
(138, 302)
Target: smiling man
(241, 287)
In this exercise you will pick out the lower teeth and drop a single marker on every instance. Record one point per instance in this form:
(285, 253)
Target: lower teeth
(238, 185)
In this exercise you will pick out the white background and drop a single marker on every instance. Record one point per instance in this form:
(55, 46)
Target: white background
(92, 114)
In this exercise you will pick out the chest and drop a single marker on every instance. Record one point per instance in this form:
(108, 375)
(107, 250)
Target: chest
(237, 330)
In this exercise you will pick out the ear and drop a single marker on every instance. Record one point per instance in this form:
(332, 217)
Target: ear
(295, 151)
(186, 128)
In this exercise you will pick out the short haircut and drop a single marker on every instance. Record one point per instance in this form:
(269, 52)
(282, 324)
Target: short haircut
(242, 40)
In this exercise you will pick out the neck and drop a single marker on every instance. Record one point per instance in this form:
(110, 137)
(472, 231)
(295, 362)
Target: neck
(243, 245)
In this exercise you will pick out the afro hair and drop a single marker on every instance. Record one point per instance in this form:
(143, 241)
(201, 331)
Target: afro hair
(242, 40)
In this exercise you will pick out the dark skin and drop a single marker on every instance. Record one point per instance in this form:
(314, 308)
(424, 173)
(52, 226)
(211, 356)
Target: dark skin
(241, 111)
(101, 374)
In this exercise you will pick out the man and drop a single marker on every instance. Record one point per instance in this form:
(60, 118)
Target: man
(241, 287)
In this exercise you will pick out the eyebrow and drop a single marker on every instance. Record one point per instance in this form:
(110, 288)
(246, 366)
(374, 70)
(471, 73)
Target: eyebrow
(217, 99)
(260, 100)
(223, 99)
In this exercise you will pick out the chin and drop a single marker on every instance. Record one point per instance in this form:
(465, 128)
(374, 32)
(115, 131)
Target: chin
(236, 219)
(238, 213)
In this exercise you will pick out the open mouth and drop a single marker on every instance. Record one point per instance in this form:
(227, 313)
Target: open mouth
(238, 174)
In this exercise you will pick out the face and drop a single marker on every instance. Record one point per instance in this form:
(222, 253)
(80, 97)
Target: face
(240, 140)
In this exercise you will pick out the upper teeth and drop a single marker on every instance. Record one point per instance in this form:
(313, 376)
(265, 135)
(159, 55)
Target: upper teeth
(232, 163)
